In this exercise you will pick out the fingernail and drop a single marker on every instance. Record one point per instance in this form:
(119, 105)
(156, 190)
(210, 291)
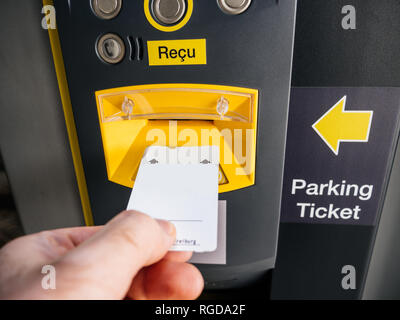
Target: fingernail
(167, 226)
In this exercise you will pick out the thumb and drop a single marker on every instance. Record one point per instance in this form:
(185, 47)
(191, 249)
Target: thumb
(105, 265)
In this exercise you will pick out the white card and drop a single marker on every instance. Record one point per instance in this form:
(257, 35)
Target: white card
(218, 256)
(181, 185)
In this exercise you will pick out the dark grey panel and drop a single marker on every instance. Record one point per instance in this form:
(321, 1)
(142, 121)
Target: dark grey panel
(383, 280)
(328, 56)
(33, 137)
(311, 257)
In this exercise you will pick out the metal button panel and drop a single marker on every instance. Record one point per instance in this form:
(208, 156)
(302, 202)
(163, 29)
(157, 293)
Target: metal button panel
(111, 48)
(169, 11)
(106, 9)
(234, 6)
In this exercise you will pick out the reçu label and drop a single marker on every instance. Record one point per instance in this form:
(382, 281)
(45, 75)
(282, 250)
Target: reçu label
(177, 52)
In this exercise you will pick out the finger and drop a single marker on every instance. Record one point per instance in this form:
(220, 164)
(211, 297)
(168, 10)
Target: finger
(167, 280)
(178, 256)
(47, 246)
(77, 235)
(56, 243)
(107, 262)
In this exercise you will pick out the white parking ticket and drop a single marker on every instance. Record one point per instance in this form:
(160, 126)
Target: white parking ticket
(181, 185)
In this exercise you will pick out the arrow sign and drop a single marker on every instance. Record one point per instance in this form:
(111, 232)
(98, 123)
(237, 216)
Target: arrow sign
(338, 125)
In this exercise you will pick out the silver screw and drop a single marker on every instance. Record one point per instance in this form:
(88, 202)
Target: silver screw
(127, 106)
(222, 107)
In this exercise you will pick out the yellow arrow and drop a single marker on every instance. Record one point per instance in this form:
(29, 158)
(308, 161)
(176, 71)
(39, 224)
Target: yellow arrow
(338, 125)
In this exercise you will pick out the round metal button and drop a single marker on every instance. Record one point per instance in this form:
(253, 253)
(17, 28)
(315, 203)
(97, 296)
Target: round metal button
(169, 11)
(111, 48)
(234, 6)
(106, 9)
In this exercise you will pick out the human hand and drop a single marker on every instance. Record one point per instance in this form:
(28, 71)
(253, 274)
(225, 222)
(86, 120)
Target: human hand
(126, 258)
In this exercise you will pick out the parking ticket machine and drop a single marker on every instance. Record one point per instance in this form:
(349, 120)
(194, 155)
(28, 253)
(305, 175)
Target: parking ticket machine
(127, 68)
(307, 187)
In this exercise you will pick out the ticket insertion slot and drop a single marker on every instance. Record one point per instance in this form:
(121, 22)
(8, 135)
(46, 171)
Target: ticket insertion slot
(175, 115)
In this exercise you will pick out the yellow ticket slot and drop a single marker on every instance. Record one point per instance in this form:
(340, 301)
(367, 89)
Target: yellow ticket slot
(176, 115)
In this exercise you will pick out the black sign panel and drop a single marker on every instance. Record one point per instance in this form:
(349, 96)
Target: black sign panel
(339, 149)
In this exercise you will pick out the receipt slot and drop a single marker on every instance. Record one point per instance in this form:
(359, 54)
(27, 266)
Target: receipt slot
(186, 115)
(202, 73)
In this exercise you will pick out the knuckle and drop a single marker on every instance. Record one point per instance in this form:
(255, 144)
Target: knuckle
(127, 237)
(136, 230)
(137, 218)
